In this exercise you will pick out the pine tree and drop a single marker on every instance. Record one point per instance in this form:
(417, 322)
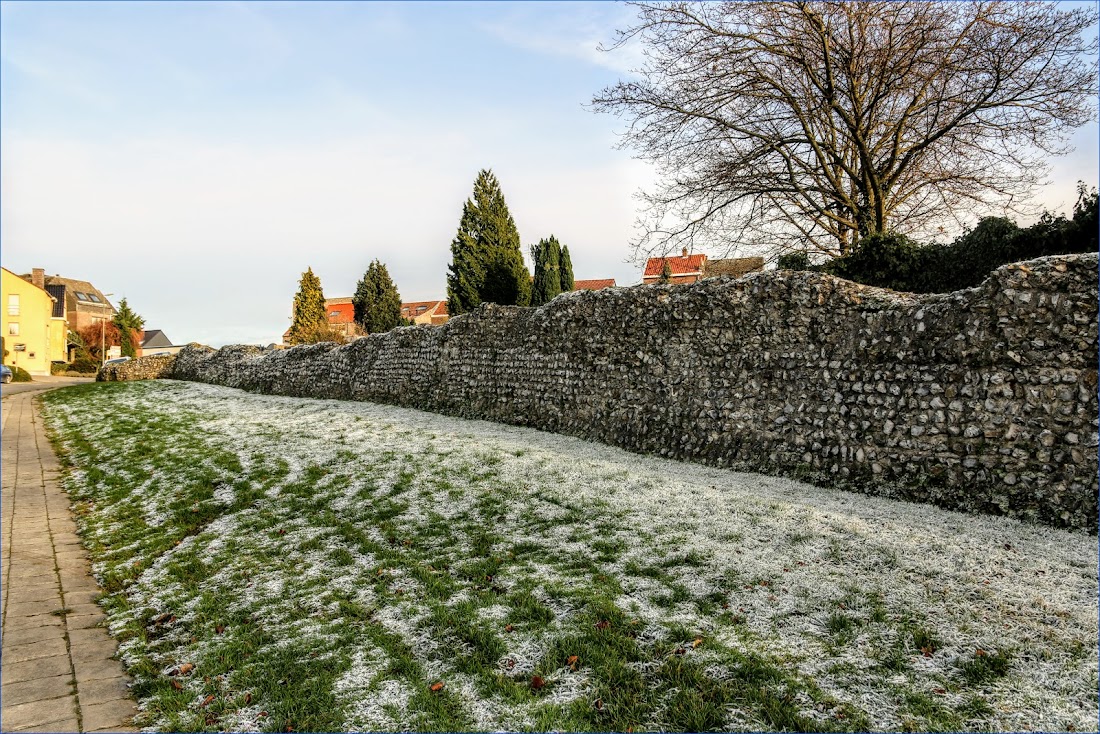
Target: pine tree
(310, 321)
(376, 301)
(129, 325)
(487, 239)
(507, 281)
(547, 281)
(666, 272)
(566, 268)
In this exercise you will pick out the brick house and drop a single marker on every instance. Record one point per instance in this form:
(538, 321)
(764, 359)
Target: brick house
(687, 268)
(80, 302)
(341, 316)
(432, 313)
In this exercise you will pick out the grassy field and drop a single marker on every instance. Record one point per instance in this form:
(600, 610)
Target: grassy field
(281, 564)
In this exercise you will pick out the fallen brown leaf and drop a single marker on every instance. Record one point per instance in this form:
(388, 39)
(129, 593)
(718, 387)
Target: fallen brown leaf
(219, 629)
(696, 642)
(177, 685)
(599, 704)
(436, 687)
(980, 652)
(537, 682)
(208, 700)
(602, 624)
(508, 628)
(571, 661)
(247, 698)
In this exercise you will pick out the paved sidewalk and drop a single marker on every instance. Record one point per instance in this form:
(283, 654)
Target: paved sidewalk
(57, 662)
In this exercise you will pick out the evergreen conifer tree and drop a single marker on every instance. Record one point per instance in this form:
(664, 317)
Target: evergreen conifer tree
(129, 325)
(309, 310)
(376, 301)
(666, 272)
(547, 281)
(566, 269)
(487, 239)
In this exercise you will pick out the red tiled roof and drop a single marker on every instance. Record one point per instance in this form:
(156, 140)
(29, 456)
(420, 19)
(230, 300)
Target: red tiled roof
(419, 308)
(593, 285)
(679, 265)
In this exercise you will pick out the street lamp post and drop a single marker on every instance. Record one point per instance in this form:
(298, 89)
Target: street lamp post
(102, 337)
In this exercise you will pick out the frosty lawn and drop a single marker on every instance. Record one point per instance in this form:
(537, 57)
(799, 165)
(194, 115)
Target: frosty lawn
(275, 562)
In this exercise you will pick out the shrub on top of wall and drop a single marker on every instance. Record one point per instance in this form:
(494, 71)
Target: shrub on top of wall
(18, 374)
(894, 261)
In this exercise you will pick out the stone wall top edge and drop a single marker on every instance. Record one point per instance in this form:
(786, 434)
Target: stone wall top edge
(796, 285)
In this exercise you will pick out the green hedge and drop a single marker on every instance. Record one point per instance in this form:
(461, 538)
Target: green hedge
(894, 261)
(18, 374)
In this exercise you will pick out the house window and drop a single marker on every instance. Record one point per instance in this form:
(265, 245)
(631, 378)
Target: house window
(94, 298)
(13, 304)
(13, 328)
(81, 296)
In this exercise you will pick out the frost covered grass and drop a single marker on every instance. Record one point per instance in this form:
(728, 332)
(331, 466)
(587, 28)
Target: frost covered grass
(282, 564)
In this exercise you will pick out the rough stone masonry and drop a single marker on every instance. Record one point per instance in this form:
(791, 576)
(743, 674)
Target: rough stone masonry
(980, 400)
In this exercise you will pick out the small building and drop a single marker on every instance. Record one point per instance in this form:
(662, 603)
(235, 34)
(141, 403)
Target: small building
(155, 341)
(593, 285)
(690, 268)
(679, 270)
(432, 313)
(33, 325)
(341, 316)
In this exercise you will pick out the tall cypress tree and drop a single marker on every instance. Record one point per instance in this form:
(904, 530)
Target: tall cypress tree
(487, 240)
(129, 325)
(309, 310)
(547, 281)
(376, 301)
(566, 269)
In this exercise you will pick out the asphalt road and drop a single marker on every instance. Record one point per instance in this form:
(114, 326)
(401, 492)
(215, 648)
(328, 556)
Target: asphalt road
(41, 383)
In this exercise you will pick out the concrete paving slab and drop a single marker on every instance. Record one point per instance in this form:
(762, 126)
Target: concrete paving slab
(22, 715)
(35, 669)
(38, 690)
(108, 714)
(34, 650)
(64, 725)
(106, 689)
(32, 634)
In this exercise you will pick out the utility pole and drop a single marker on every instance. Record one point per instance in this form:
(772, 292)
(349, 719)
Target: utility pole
(102, 339)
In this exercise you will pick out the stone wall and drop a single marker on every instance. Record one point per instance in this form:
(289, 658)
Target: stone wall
(979, 400)
(143, 368)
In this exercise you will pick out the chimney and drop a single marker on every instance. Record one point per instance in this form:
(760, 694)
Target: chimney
(685, 252)
(38, 277)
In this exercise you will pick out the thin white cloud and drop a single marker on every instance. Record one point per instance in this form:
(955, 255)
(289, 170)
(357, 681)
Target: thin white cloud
(578, 32)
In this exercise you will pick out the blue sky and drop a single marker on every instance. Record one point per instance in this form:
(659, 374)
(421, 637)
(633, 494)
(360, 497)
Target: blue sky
(197, 157)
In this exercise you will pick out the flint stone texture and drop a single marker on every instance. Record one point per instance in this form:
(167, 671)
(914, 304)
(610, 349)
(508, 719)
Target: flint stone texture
(982, 400)
(143, 368)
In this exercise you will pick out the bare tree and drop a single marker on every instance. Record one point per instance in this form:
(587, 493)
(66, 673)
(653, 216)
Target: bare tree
(805, 126)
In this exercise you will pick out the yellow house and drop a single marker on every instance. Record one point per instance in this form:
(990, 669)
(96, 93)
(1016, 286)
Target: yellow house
(33, 335)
